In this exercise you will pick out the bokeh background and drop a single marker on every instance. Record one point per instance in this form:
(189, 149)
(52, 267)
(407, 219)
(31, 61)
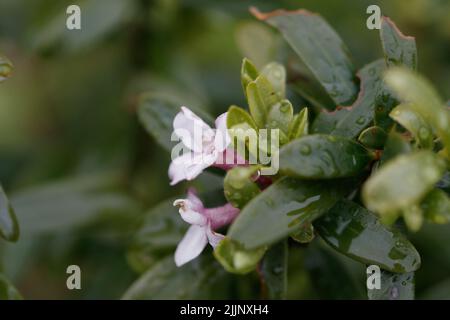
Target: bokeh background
(81, 171)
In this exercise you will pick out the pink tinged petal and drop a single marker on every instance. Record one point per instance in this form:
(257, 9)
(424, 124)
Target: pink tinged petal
(188, 214)
(197, 204)
(213, 237)
(192, 244)
(229, 159)
(221, 216)
(222, 138)
(192, 130)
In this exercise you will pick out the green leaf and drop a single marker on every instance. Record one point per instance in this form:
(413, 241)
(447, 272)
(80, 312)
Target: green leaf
(394, 286)
(325, 122)
(238, 185)
(274, 269)
(411, 87)
(398, 48)
(282, 208)
(7, 290)
(5, 68)
(280, 117)
(357, 233)
(299, 125)
(323, 157)
(402, 182)
(414, 123)
(276, 74)
(261, 97)
(239, 118)
(9, 227)
(70, 203)
(202, 278)
(256, 41)
(362, 112)
(436, 206)
(395, 145)
(320, 47)
(331, 278)
(235, 258)
(373, 137)
(249, 73)
(156, 113)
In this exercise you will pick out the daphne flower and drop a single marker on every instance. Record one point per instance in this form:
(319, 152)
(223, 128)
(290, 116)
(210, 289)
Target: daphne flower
(205, 145)
(203, 223)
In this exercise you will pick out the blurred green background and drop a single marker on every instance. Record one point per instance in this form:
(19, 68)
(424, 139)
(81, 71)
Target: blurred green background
(81, 171)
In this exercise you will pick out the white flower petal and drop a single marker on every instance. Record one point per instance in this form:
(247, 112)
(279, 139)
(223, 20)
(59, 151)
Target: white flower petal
(192, 130)
(188, 214)
(213, 237)
(196, 203)
(188, 167)
(191, 245)
(222, 138)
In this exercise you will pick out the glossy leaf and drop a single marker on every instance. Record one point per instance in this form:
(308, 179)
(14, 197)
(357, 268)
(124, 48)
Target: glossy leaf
(235, 258)
(7, 290)
(274, 269)
(156, 114)
(239, 186)
(357, 233)
(362, 112)
(414, 123)
(402, 182)
(320, 48)
(373, 137)
(436, 206)
(424, 100)
(323, 157)
(280, 117)
(394, 286)
(9, 226)
(282, 208)
(299, 125)
(200, 279)
(331, 278)
(5, 68)
(398, 48)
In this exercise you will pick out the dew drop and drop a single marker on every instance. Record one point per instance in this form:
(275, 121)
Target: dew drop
(361, 120)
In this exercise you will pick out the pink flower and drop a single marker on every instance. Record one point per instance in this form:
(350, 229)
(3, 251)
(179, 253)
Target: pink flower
(205, 145)
(203, 223)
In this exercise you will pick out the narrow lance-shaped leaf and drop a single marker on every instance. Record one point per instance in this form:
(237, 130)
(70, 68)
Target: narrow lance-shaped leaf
(9, 227)
(413, 122)
(393, 286)
(299, 125)
(357, 233)
(424, 100)
(398, 48)
(249, 73)
(282, 208)
(403, 182)
(323, 157)
(274, 270)
(320, 48)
